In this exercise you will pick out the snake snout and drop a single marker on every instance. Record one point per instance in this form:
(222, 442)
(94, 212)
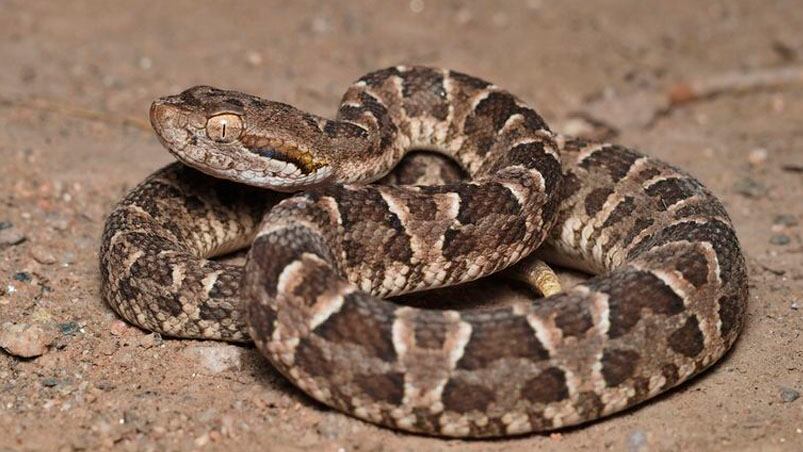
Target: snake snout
(169, 122)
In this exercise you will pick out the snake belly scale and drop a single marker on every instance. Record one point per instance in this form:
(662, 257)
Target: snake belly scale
(667, 302)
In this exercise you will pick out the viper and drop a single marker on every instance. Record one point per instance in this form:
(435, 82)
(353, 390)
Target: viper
(329, 246)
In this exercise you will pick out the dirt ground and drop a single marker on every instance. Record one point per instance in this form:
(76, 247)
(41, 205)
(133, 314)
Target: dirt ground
(78, 78)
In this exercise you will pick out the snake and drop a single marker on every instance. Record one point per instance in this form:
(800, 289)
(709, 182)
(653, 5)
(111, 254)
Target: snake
(334, 234)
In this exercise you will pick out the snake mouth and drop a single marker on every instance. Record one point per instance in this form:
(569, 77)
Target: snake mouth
(301, 160)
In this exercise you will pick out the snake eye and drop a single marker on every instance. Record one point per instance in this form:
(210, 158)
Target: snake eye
(224, 128)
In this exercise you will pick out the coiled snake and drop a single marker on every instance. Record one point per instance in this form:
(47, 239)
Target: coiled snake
(668, 301)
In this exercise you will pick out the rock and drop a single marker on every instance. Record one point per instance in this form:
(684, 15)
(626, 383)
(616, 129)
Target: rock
(10, 236)
(119, 328)
(789, 395)
(637, 441)
(150, 340)
(780, 239)
(22, 276)
(334, 426)
(757, 157)
(42, 255)
(24, 340)
(750, 188)
(785, 219)
(50, 382)
(215, 358)
(69, 328)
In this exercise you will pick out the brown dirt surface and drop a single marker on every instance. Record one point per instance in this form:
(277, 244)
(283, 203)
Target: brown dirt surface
(78, 78)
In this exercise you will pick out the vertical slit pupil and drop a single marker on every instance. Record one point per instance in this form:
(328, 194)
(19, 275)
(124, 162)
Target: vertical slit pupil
(224, 129)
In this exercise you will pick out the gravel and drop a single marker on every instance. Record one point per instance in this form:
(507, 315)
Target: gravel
(789, 395)
(25, 340)
(215, 358)
(780, 239)
(10, 236)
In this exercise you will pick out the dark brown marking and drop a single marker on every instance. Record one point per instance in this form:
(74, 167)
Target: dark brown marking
(472, 82)
(596, 199)
(374, 334)
(731, 309)
(499, 106)
(719, 234)
(490, 340)
(702, 208)
(538, 421)
(534, 156)
(340, 129)
(424, 93)
(263, 319)
(617, 160)
(618, 365)
(370, 224)
(549, 386)
(687, 340)
(670, 373)
(377, 78)
(693, 265)
(641, 390)
(574, 319)
(589, 404)
(369, 104)
(668, 192)
(639, 225)
(630, 291)
(278, 249)
(463, 397)
(311, 358)
(387, 387)
(570, 186)
(621, 212)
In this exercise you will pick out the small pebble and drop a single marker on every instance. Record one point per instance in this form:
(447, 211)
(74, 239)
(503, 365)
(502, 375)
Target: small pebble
(5, 225)
(757, 157)
(216, 358)
(50, 382)
(59, 224)
(150, 340)
(202, 440)
(145, 63)
(24, 340)
(119, 328)
(69, 328)
(42, 255)
(10, 236)
(254, 58)
(637, 441)
(785, 220)
(780, 239)
(750, 188)
(789, 395)
(22, 276)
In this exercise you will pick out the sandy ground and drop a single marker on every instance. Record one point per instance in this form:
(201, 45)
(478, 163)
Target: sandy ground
(76, 84)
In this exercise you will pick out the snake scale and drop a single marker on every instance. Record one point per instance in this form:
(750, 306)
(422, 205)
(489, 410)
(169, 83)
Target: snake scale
(667, 301)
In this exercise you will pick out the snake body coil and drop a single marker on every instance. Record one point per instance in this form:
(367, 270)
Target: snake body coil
(668, 301)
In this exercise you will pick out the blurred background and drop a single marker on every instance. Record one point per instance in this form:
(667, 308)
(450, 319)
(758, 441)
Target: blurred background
(715, 87)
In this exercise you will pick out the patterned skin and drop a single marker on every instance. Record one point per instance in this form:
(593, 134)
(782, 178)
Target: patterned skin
(668, 301)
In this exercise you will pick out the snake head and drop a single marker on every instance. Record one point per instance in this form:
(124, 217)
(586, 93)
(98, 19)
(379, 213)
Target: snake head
(242, 138)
